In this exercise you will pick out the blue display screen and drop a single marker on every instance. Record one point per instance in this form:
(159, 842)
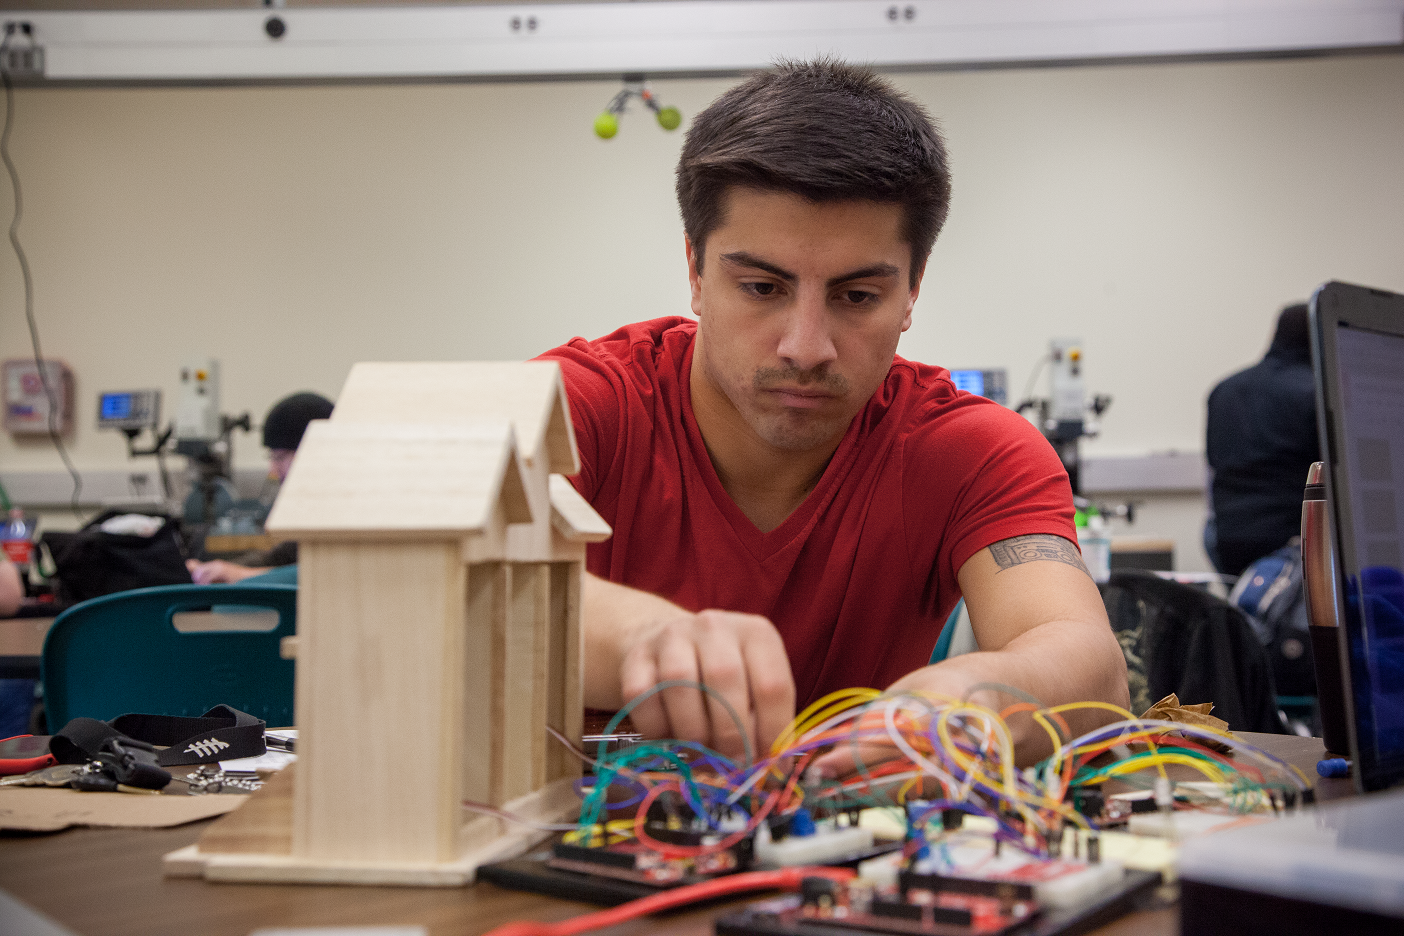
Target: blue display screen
(116, 406)
(971, 381)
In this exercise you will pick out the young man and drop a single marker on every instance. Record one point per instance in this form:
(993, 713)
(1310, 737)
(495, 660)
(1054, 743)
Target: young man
(795, 508)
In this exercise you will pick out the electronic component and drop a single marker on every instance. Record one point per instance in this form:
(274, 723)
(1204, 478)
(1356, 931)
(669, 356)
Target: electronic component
(931, 906)
(129, 409)
(197, 411)
(990, 383)
(994, 849)
(30, 396)
(808, 843)
(619, 872)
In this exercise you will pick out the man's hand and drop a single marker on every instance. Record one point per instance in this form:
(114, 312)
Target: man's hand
(219, 572)
(634, 641)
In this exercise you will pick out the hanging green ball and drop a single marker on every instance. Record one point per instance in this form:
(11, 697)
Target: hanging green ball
(606, 125)
(669, 118)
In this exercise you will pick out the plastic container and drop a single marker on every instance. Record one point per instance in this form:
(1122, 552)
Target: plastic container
(18, 539)
(1095, 543)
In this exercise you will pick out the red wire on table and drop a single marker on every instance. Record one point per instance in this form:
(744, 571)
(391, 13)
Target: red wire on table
(787, 879)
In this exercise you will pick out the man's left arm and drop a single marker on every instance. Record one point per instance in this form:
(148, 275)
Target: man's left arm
(1042, 629)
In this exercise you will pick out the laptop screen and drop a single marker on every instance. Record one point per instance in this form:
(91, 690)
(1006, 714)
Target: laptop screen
(1360, 334)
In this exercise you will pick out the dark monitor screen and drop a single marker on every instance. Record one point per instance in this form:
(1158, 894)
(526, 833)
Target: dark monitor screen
(1358, 348)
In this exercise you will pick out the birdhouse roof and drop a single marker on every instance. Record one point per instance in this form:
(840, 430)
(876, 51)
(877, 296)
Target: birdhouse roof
(400, 481)
(528, 393)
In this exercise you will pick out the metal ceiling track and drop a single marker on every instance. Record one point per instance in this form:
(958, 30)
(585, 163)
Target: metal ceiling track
(675, 38)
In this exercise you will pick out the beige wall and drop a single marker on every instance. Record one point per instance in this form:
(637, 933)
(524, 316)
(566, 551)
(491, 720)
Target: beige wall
(1162, 212)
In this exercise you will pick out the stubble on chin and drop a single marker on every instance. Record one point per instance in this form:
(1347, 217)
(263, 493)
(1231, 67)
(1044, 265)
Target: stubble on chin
(788, 429)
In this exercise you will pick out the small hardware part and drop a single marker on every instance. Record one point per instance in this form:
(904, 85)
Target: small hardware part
(211, 778)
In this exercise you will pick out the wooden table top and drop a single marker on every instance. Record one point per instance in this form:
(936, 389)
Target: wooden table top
(23, 636)
(108, 882)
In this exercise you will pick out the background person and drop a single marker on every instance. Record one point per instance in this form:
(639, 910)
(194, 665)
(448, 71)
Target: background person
(1260, 440)
(283, 429)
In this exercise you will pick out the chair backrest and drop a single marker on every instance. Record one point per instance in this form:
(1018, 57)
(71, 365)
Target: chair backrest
(1178, 638)
(124, 653)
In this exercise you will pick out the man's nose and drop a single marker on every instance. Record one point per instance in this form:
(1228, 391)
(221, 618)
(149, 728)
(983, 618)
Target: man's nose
(807, 341)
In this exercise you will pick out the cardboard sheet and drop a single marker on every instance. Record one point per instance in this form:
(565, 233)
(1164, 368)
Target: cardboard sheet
(46, 809)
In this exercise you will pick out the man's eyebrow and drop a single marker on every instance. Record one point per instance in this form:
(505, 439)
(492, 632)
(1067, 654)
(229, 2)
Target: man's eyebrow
(742, 258)
(876, 271)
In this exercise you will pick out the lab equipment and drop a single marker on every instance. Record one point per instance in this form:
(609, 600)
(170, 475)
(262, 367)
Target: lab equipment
(1065, 416)
(38, 402)
(991, 383)
(129, 410)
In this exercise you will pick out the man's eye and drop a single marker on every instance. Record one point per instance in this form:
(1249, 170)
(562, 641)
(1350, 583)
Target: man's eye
(760, 289)
(858, 296)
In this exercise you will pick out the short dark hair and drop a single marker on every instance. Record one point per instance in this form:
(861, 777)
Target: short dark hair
(287, 421)
(1292, 332)
(824, 130)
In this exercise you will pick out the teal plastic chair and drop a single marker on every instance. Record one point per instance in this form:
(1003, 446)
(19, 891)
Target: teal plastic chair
(162, 651)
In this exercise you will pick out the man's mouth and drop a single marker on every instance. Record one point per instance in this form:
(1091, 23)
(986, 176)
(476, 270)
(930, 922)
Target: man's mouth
(800, 397)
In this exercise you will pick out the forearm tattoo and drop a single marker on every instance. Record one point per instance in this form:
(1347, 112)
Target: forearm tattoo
(1037, 546)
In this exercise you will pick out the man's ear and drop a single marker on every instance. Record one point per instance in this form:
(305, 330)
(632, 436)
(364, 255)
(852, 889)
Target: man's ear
(694, 275)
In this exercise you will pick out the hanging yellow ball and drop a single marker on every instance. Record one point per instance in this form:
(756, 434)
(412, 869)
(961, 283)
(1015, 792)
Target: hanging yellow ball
(669, 118)
(606, 125)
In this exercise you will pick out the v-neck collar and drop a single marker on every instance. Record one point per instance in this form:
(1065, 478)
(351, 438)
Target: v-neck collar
(761, 545)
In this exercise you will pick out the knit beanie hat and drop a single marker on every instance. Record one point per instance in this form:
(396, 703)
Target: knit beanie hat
(288, 419)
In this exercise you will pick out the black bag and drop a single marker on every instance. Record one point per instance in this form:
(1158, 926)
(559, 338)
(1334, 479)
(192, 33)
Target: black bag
(91, 562)
(1270, 591)
(1179, 639)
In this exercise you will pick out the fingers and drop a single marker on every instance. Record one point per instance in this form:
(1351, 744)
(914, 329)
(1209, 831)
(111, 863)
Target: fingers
(724, 670)
(740, 657)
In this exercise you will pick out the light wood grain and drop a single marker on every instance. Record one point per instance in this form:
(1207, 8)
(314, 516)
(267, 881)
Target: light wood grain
(438, 629)
(415, 481)
(263, 825)
(529, 393)
(379, 677)
(565, 671)
(573, 517)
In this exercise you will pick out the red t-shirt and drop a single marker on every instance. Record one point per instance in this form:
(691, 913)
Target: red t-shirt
(861, 577)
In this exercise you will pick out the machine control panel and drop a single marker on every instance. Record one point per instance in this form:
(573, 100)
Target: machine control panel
(129, 409)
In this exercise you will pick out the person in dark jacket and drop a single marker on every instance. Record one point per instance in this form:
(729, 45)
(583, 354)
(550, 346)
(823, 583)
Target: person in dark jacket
(283, 429)
(1260, 441)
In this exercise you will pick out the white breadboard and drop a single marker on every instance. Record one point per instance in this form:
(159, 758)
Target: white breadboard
(826, 844)
(1059, 882)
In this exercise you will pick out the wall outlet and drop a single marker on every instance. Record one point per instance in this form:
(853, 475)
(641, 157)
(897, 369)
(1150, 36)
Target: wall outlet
(21, 57)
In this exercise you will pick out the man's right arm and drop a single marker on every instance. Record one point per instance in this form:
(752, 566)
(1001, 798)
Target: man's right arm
(635, 640)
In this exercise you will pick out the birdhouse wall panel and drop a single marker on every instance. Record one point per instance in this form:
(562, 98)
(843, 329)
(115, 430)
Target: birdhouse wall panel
(486, 619)
(565, 672)
(524, 657)
(380, 666)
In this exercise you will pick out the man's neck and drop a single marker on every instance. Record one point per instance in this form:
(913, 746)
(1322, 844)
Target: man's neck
(766, 482)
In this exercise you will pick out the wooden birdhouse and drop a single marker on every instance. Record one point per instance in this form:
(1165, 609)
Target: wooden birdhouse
(438, 635)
